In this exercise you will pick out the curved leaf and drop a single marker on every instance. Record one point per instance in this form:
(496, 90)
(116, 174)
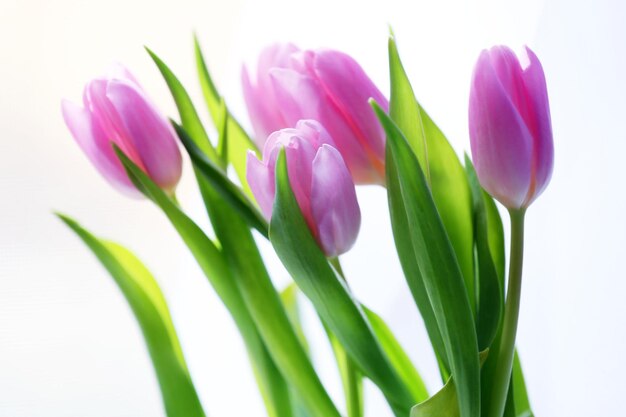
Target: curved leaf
(423, 231)
(263, 319)
(490, 294)
(444, 403)
(150, 309)
(453, 198)
(230, 192)
(188, 115)
(239, 140)
(334, 303)
(398, 357)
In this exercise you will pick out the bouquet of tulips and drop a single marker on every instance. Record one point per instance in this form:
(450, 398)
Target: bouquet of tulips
(320, 127)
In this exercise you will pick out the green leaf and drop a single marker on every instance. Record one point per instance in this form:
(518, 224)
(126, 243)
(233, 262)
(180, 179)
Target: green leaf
(444, 403)
(289, 298)
(218, 179)
(453, 198)
(240, 142)
(440, 164)
(496, 237)
(262, 318)
(150, 309)
(422, 229)
(334, 303)
(404, 110)
(491, 296)
(398, 357)
(222, 140)
(520, 394)
(188, 115)
(351, 377)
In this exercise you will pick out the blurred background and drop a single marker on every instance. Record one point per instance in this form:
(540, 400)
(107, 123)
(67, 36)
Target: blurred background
(69, 345)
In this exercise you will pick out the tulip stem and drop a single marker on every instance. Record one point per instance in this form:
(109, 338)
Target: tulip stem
(502, 374)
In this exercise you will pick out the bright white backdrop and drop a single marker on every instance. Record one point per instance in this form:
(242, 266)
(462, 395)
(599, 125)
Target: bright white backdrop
(68, 343)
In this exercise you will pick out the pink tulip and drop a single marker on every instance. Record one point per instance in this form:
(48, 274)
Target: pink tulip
(510, 128)
(324, 85)
(117, 111)
(320, 181)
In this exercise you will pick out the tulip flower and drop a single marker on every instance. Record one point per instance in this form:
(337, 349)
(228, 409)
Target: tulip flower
(510, 128)
(327, 86)
(117, 111)
(320, 181)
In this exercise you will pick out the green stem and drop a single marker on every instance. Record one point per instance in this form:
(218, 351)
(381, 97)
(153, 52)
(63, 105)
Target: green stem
(502, 374)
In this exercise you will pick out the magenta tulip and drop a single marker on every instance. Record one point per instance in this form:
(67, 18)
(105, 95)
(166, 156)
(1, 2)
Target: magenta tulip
(117, 111)
(510, 127)
(324, 85)
(320, 181)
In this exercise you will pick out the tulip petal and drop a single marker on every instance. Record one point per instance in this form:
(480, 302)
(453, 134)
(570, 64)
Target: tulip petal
(334, 204)
(263, 115)
(98, 148)
(151, 134)
(349, 87)
(500, 140)
(302, 97)
(261, 180)
(543, 150)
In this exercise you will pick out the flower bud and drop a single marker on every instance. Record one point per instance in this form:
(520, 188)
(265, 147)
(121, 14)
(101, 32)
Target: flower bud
(117, 111)
(319, 179)
(327, 86)
(510, 127)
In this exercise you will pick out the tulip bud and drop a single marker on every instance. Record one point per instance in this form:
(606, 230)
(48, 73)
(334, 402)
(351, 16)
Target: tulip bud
(319, 179)
(328, 86)
(117, 111)
(510, 127)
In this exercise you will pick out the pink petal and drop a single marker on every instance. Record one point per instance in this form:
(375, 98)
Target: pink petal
(97, 147)
(500, 140)
(261, 180)
(302, 97)
(541, 125)
(335, 207)
(349, 87)
(151, 135)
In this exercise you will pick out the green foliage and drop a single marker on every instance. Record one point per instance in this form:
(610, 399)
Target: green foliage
(424, 246)
(491, 294)
(150, 309)
(329, 294)
(239, 141)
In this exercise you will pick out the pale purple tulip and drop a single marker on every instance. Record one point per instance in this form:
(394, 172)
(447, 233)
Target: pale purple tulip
(324, 85)
(510, 127)
(117, 111)
(320, 181)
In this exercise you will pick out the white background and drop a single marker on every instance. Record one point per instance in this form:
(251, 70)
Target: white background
(69, 345)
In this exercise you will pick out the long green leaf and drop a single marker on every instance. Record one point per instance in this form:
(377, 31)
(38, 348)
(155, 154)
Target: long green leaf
(423, 230)
(453, 199)
(230, 192)
(239, 140)
(404, 110)
(398, 357)
(148, 304)
(272, 324)
(490, 294)
(310, 269)
(188, 114)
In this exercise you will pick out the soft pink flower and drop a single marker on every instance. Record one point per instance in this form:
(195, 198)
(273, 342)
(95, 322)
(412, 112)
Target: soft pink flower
(116, 110)
(324, 85)
(320, 181)
(510, 128)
